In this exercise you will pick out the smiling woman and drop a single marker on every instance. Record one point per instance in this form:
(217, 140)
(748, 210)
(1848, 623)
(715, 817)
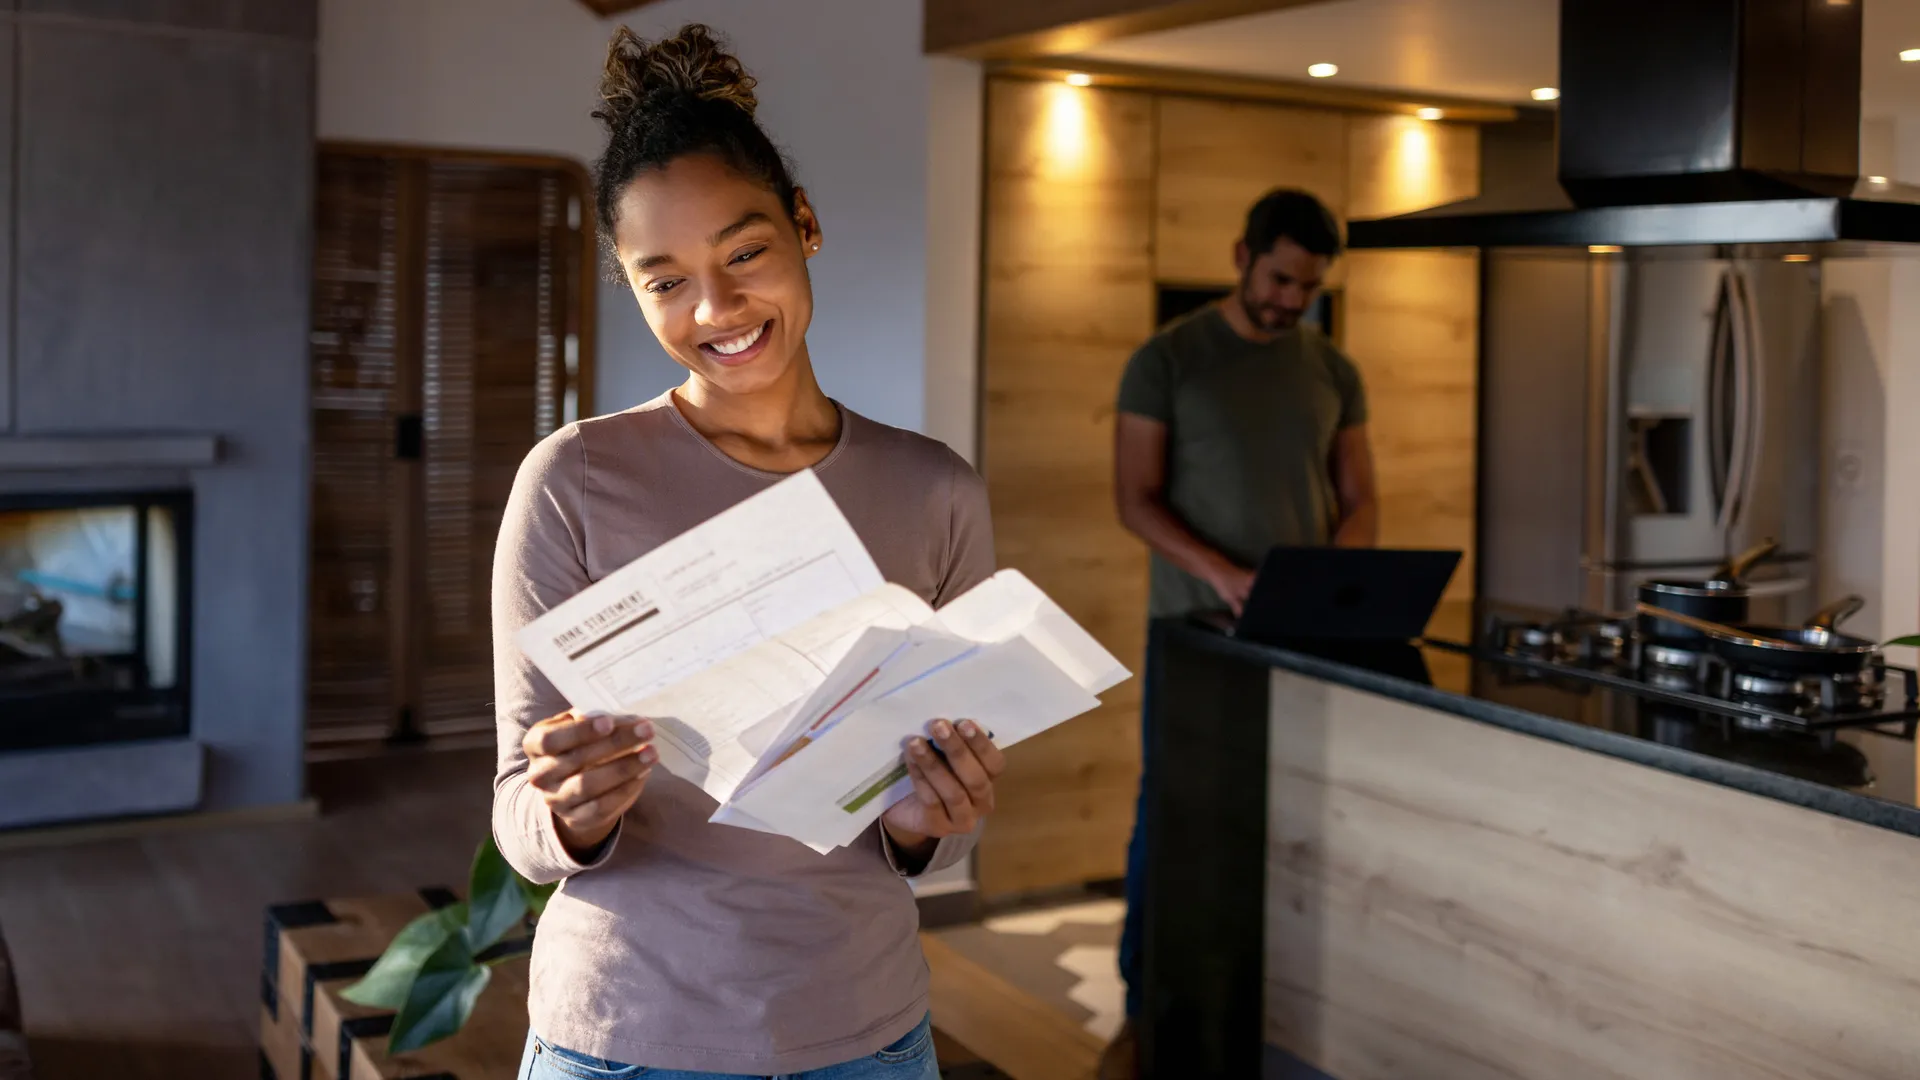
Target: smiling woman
(707, 225)
(674, 943)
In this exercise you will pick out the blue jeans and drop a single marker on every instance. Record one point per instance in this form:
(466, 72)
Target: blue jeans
(909, 1058)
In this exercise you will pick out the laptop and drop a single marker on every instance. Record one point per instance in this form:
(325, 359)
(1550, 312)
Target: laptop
(1359, 605)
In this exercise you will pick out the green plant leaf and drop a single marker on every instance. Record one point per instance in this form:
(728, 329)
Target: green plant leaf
(538, 895)
(1912, 641)
(386, 986)
(441, 999)
(496, 900)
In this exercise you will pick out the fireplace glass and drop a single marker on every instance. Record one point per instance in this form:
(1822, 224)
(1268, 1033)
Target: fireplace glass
(94, 597)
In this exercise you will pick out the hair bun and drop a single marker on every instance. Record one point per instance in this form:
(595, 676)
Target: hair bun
(693, 64)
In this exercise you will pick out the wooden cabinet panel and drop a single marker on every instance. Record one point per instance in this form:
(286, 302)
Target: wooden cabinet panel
(1449, 900)
(1216, 158)
(1399, 164)
(1068, 296)
(1412, 323)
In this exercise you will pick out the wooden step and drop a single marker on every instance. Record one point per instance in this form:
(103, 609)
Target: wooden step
(283, 1056)
(316, 949)
(985, 1028)
(489, 1046)
(1003, 1024)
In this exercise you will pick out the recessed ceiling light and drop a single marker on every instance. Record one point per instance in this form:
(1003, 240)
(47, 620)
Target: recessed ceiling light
(1798, 257)
(1877, 181)
(1079, 78)
(1910, 55)
(1324, 71)
(1547, 93)
(1429, 113)
(1605, 249)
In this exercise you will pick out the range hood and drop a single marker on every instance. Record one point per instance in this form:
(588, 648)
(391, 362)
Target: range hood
(1682, 122)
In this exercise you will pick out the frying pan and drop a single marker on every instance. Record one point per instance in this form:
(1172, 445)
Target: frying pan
(1813, 649)
(1721, 598)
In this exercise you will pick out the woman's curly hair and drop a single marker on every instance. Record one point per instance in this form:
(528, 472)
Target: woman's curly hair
(664, 100)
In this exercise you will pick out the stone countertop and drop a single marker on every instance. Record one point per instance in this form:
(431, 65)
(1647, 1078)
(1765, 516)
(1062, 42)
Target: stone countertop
(1864, 775)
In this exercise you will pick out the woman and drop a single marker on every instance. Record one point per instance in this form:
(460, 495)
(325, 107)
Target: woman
(676, 947)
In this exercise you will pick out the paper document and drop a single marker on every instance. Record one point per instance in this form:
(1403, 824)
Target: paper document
(784, 676)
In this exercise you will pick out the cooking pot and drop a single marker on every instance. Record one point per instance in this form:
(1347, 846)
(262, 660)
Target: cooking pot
(1720, 598)
(1812, 649)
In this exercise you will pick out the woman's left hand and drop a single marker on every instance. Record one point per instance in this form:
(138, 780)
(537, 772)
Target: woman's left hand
(949, 797)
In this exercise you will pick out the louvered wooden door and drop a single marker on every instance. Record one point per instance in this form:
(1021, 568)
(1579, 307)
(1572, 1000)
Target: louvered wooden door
(355, 361)
(501, 274)
(452, 330)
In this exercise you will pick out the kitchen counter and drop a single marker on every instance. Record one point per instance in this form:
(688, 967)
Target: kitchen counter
(1374, 864)
(1862, 774)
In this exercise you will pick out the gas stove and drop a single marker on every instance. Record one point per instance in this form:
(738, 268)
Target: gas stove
(1586, 648)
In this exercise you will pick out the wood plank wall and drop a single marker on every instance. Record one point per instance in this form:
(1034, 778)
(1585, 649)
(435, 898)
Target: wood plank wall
(1092, 197)
(1068, 294)
(1217, 157)
(1412, 322)
(1450, 901)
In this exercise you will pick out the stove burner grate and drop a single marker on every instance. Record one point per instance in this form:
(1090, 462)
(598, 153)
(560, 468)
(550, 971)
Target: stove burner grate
(1766, 686)
(1603, 651)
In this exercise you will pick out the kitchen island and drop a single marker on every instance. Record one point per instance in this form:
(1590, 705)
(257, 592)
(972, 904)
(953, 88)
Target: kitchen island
(1373, 864)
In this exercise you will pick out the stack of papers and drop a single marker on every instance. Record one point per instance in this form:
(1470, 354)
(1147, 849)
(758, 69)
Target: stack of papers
(783, 674)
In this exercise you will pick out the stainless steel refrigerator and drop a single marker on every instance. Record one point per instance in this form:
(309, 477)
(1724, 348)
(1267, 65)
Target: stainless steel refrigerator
(1647, 414)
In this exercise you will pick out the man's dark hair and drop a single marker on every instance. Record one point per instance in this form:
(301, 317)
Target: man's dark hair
(1295, 215)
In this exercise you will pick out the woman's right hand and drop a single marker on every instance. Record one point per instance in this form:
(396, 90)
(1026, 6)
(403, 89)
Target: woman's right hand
(590, 770)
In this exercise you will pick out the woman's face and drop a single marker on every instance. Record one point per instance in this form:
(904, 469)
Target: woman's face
(720, 270)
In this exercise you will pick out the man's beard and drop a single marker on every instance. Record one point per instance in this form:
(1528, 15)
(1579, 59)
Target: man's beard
(1266, 317)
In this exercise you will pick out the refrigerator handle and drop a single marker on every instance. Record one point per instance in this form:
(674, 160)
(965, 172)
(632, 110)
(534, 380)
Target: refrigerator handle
(1610, 295)
(1756, 398)
(1721, 370)
(1737, 455)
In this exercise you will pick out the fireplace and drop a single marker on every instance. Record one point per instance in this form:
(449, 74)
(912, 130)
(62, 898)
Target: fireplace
(95, 598)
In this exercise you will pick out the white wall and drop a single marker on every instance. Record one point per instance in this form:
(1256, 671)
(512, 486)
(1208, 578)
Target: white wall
(956, 148)
(843, 87)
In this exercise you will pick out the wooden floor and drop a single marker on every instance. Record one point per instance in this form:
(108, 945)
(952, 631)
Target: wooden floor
(139, 958)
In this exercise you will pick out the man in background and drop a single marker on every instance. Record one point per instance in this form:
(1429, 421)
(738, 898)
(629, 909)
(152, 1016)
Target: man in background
(1240, 428)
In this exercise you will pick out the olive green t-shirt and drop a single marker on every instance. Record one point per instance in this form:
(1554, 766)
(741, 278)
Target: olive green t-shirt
(1250, 430)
